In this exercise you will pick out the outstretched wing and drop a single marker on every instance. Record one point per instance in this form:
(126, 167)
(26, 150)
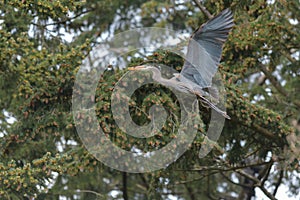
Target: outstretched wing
(205, 49)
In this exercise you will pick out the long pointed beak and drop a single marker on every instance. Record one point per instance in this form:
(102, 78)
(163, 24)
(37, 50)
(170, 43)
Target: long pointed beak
(136, 68)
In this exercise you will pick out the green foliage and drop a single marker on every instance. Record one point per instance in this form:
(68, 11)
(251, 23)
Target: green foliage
(38, 65)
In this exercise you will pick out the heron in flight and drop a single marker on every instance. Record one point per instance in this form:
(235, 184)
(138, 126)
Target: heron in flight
(203, 57)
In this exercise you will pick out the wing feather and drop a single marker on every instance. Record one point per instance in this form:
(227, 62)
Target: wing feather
(205, 49)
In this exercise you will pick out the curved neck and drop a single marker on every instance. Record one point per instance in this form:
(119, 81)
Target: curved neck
(156, 75)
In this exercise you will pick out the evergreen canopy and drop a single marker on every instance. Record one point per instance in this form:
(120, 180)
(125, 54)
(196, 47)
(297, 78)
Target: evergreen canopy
(43, 44)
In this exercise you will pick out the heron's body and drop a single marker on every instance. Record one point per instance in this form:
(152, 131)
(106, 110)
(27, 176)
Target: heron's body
(202, 60)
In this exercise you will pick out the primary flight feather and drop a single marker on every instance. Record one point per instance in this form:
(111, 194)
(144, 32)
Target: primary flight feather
(202, 59)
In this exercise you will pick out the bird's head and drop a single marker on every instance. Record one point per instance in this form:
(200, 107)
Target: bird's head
(156, 75)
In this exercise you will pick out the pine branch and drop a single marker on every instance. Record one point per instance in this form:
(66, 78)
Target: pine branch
(274, 82)
(267, 133)
(277, 85)
(257, 182)
(278, 182)
(203, 9)
(258, 118)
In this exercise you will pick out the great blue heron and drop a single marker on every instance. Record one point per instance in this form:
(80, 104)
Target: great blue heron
(203, 59)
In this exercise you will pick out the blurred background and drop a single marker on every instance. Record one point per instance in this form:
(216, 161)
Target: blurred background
(43, 44)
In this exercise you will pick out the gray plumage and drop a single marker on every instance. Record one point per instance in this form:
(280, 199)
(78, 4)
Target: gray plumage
(205, 49)
(202, 60)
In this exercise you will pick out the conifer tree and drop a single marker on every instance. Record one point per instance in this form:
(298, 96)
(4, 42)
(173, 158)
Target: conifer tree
(43, 45)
